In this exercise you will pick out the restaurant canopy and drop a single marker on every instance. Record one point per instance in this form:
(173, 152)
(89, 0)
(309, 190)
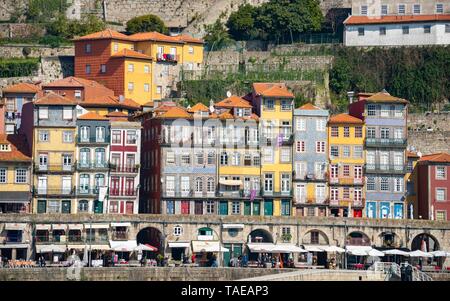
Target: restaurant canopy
(199, 246)
(419, 253)
(287, 248)
(43, 227)
(332, 249)
(440, 254)
(359, 250)
(375, 253)
(396, 252)
(314, 248)
(262, 247)
(145, 247)
(96, 226)
(50, 248)
(123, 246)
(230, 182)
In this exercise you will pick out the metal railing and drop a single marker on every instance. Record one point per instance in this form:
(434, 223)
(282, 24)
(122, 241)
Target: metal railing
(54, 191)
(124, 168)
(386, 142)
(393, 269)
(123, 192)
(49, 168)
(386, 168)
(91, 165)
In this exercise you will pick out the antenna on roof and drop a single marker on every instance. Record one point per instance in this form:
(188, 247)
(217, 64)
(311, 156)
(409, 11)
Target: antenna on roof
(228, 94)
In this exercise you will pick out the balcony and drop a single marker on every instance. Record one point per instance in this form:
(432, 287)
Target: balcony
(385, 168)
(123, 193)
(124, 168)
(92, 166)
(54, 168)
(54, 191)
(347, 181)
(92, 140)
(276, 193)
(167, 57)
(86, 191)
(380, 142)
(346, 202)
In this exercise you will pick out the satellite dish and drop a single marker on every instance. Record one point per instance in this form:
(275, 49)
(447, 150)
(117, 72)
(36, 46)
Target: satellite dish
(228, 94)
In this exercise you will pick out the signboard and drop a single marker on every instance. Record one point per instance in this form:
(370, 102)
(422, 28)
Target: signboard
(371, 209)
(398, 211)
(385, 210)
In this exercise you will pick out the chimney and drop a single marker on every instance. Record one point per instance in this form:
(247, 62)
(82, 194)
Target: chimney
(350, 96)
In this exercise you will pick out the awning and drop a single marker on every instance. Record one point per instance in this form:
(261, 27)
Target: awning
(199, 246)
(15, 197)
(233, 226)
(50, 248)
(288, 248)
(43, 227)
(76, 226)
(14, 246)
(419, 253)
(230, 182)
(15, 226)
(375, 253)
(59, 227)
(440, 253)
(179, 245)
(359, 250)
(396, 252)
(145, 247)
(76, 247)
(332, 249)
(120, 224)
(262, 247)
(96, 226)
(314, 248)
(100, 247)
(123, 246)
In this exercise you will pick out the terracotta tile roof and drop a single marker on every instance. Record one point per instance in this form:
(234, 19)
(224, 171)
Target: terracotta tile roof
(131, 54)
(233, 102)
(412, 154)
(164, 107)
(384, 97)
(175, 112)
(355, 20)
(309, 106)
(226, 115)
(148, 104)
(344, 119)
(188, 39)
(276, 91)
(154, 36)
(53, 99)
(437, 158)
(260, 87)
(91, 116)
(109, 101)
(19, 148)
(198, 107)
(22, 88)
(105, 34)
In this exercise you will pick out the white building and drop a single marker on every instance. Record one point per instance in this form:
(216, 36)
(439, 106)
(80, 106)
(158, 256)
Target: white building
(398, 23)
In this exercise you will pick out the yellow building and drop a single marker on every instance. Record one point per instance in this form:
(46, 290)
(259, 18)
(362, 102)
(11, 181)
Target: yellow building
(54, 154)
(15, 174)
(239, 158)
(411, 185)
(273, 103)
(142, 66)
(346, 152)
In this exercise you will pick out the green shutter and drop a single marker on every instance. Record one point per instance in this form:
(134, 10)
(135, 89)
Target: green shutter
(237, 250)
(223, 210)
(98, 206)
(268, 207)
(247, 208)
(227, 255)
(41, 206)
(256, 208)
(65, 207)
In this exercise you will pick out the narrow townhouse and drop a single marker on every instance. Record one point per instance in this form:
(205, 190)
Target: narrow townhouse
(273, 103)
(124, 156)
(54, 122)
(239, 172)
(385, 117)
(310, 161)
(411, 180)
(92, 167)
(346, 154)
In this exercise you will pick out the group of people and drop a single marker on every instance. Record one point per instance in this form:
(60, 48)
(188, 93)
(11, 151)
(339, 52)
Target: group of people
(241, 261)
(275, 261)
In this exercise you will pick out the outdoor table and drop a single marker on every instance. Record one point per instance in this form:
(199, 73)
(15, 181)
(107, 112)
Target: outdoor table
(359, 266)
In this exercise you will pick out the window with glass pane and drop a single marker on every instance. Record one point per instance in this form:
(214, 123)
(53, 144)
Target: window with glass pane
(371, 183)
(84, 134)
(371, 110)
(268, 182)
(384, 184)
(67, 137)
(285, 183)
(334, 151)
(116, 137)
(54, 206)
(236, 207)
(440, 194)
(83, 206)
(21, 175)
(210, 207)
(100, 134)
(334, 131)
(440, 172)
(300, 124)
(346, 151)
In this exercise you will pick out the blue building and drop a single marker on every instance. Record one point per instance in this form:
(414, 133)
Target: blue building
(385, 117)
(310, 161)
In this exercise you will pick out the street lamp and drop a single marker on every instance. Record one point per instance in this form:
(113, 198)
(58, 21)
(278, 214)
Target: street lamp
(90, 242)
(345, 244)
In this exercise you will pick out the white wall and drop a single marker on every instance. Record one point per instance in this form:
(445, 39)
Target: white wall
(394, 35)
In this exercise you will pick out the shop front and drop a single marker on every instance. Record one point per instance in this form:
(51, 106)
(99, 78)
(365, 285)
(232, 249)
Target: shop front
(179, 250)
(15, 201)
(207, 252)
(13, 244)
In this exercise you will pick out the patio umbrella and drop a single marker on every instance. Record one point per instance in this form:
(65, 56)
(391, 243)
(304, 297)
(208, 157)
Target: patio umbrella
(142, 247)
(333, 249)
(419, 253)
(440, 254)
(375, 253)
(396, 252)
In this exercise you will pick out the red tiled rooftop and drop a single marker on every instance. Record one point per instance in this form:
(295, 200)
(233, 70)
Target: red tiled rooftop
(309, 106)
(131, 54)
(19, 148)
(154, 36)
(53, 99)
(437, 158)
(22, 88)
(233, 102)
(198, 107)
(105, 34)
(344, 119)
(360, 20)
(91, 116)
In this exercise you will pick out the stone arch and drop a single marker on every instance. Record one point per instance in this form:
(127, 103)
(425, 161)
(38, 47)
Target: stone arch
(260, 235)
(357, 238)
(389, 239)
(152, 236)
(430, 241)
(315, 237)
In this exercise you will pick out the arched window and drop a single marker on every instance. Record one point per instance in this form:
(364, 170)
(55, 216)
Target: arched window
(83, 206)
(99, 157)
(198, 184)
(84, 183)
(85, 156)
(210, 185)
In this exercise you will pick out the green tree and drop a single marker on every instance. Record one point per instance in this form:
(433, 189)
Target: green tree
(146, 23)
(241, 23)
(67, 29)
(41, 11)
(217, 36)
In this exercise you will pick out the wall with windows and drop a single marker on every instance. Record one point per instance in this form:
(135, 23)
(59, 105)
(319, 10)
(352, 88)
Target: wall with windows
(138, 80)
(399, 7)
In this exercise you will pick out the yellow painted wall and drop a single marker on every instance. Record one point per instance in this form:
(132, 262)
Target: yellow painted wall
(343, 141)
(121, 45)
(139, 78)
(10, 184)
(196, 56)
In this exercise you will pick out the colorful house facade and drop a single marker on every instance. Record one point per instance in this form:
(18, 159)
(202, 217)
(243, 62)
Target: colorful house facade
(385, 117)
(346, 153)
(411, 185)
(310, 161)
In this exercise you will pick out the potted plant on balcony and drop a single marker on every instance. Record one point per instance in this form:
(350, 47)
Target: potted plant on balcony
(286, 237)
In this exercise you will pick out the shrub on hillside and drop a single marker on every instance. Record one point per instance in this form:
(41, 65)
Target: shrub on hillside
(146, 23)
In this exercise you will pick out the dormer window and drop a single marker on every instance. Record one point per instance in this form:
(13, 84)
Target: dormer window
(5, 147)
(77, 94)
